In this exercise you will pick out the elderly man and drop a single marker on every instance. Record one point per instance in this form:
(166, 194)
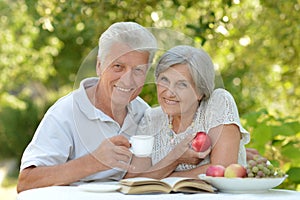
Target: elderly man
(83, 136)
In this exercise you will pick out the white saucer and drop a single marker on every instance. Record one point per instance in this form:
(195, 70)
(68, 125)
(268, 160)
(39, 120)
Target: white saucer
(99, 187)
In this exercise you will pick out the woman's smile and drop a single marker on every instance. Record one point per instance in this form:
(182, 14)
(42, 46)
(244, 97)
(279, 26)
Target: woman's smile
(170, 102)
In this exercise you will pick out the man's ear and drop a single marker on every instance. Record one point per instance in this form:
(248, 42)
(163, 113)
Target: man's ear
(98, 68)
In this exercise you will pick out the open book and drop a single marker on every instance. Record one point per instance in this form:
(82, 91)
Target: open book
(141, 185)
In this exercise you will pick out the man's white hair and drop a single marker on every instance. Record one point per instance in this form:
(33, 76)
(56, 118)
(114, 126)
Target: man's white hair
(131, 34)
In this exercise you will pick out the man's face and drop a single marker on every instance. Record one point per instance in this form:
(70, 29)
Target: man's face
(124, 75)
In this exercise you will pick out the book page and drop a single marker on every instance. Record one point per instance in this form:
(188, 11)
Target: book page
(173, 180)
(192, 186)
(143, 181)
(144, 189)
(137, 179)
(140, 185)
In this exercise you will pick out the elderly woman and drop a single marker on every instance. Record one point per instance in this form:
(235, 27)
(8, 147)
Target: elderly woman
(190, 104)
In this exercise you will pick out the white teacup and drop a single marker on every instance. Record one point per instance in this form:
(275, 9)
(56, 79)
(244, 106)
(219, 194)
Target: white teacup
(141, 145)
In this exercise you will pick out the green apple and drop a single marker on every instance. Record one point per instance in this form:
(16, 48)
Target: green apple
(235, 170)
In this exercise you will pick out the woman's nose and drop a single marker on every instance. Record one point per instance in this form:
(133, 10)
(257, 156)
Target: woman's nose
(170, 92)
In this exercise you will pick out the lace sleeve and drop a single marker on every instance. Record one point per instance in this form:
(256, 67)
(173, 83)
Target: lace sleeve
(222, 109)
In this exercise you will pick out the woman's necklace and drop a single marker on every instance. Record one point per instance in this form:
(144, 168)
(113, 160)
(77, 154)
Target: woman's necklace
(172, 134)
(170, 127)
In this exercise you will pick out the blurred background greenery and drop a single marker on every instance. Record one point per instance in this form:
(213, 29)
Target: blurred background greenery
(255, 45)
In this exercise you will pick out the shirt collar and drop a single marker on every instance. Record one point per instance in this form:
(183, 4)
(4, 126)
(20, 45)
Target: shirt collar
(85, 105)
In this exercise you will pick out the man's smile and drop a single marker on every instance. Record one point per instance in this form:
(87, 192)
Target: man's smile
(123, 89)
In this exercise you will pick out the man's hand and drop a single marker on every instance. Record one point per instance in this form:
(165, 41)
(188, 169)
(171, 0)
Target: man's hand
(114, 153)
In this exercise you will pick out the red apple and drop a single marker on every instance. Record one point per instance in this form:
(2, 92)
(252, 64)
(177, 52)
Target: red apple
(235, 170)
(201, 142)
(215, 171)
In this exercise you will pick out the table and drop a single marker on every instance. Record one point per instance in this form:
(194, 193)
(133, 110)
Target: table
(74, 193)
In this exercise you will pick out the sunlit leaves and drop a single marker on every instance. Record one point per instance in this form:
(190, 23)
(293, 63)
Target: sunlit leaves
(22, 62)
(295, 174)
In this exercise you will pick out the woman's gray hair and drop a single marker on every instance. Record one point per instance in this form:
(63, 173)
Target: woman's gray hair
(131, 34)
(199, 63)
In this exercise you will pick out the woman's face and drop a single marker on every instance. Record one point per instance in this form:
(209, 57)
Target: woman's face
(176, 91)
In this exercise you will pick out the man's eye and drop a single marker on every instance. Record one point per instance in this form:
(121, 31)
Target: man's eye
(117, 67)
(139, 71)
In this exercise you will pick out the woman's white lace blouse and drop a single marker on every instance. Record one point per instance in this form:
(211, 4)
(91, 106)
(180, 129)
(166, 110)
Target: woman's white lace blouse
(219, 109)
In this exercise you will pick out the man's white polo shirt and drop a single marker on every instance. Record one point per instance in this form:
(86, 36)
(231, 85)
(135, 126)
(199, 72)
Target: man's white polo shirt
(73, 127)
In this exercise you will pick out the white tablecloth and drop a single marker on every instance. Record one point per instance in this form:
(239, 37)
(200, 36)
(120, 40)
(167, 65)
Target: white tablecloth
(74, 193)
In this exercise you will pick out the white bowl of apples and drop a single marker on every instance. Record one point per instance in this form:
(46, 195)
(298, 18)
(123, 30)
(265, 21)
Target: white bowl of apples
(258, 176)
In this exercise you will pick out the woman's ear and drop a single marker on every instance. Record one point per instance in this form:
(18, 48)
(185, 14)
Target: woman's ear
(200, 97)
(98, 68)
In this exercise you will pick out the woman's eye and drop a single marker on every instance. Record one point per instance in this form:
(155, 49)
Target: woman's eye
(163, 81)
(182, 85)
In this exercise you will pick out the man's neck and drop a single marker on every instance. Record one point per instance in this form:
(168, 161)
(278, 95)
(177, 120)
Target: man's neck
(116, 112)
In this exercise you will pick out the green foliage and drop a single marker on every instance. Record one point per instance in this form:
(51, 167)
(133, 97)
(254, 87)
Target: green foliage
(294, 173)
(278, 139)
(16, 129)
(19, 53)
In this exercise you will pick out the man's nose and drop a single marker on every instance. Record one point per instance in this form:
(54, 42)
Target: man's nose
(127, 76)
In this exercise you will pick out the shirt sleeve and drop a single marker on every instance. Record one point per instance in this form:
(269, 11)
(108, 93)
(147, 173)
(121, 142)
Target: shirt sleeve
(51, 144)
(221, 110)
(152, 121)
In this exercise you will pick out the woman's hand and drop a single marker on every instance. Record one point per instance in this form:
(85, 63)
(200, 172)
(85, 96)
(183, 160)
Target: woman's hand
(185, 154)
